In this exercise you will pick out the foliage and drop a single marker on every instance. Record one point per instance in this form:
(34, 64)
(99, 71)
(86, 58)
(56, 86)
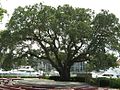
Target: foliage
(115, 83)
(2, 55)
(103, 82)
(106, 82)
(102, 62)
(15, 76)
(61, 35)
(7, 76)
(72, 79)
(2, 12)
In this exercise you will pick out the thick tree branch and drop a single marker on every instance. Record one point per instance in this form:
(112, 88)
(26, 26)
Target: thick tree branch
(80, 58)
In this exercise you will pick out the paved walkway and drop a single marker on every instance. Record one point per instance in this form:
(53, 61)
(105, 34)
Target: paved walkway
(35, 81)
(57, 84)
(100, 88)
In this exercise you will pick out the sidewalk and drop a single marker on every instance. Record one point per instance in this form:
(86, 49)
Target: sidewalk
(100, 88)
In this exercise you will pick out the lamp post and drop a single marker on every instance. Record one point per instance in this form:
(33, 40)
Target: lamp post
(86, 72)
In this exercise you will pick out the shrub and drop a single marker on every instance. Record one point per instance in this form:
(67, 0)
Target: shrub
(115, 83)
(7, 76)
(78, 79)
(103, 82)
(93, 81)
(14, 76)
(74, 79)
(106, 82)
(56, 78)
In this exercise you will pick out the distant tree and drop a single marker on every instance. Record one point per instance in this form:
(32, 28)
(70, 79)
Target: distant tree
(102, 62)
(62, 35)
(2, 56)
(2, 12)
(105, 39)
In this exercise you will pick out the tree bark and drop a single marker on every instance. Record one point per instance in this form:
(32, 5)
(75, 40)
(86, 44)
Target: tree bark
(65, 74)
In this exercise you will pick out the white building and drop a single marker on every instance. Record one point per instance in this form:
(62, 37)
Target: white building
(77, 67)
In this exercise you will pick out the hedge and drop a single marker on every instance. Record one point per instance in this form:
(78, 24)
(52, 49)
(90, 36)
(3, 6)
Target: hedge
(74, 79)
(106, 82)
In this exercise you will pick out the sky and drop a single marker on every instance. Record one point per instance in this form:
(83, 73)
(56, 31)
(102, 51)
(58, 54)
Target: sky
(112, 5)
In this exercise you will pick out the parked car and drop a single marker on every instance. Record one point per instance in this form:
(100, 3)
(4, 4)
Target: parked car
(109, 75)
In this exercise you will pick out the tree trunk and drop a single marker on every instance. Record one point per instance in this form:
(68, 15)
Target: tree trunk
(65, 74)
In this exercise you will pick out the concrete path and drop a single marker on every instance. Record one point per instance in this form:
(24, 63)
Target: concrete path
(48, 82)
(101, 88)
(57, 84)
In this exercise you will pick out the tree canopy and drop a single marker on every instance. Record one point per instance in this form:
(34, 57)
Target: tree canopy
(61, 35)
(2, 12)
(101, 61)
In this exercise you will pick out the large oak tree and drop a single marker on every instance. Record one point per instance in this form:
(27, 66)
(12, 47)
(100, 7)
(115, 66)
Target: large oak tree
(62, 35)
